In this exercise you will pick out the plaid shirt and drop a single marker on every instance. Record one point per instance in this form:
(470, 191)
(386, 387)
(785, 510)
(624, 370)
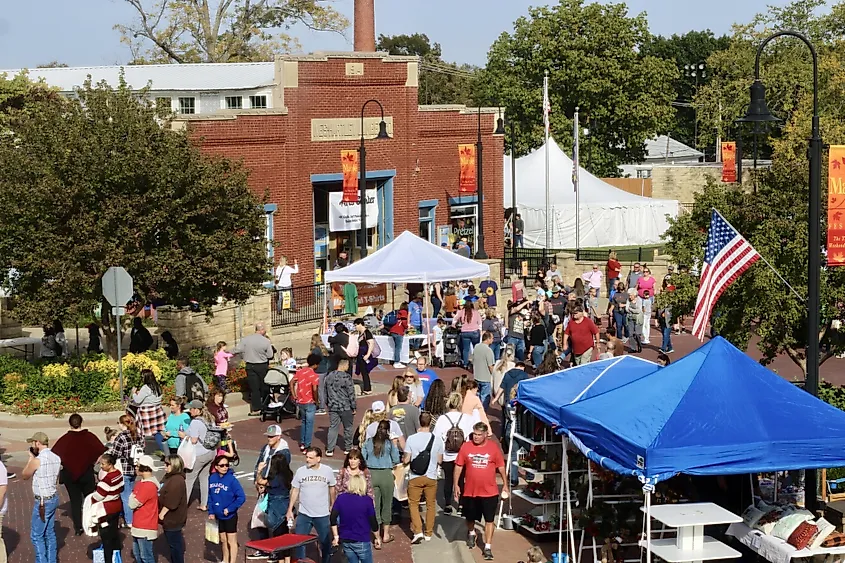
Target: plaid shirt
(122, 450)
(46, 477)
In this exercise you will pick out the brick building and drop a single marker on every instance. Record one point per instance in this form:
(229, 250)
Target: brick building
(293, 153)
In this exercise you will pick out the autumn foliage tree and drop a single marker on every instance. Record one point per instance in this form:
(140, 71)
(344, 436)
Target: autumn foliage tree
(102, 180)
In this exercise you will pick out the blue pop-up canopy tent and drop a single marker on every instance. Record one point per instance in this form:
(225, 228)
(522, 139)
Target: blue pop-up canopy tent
(713, 412)
(544, 395)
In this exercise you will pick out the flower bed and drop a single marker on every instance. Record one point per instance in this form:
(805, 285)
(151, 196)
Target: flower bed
(91, 383)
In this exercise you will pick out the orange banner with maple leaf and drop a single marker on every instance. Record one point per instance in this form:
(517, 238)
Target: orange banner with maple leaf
(836, 206)
(729, 162)
(349, 164)
(468, 182)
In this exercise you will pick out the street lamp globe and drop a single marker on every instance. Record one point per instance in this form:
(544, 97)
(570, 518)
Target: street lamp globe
(758, 109)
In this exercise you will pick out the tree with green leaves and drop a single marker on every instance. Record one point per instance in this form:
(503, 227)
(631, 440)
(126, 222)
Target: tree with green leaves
(227, 31)
(774, 217)
(591, 54)
(439, 82)
(692, 49)
(101, 180)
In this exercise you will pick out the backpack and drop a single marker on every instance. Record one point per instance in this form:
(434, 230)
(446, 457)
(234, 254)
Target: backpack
(211, 440)
(194, 388)
(455, 437)
(419, 465)
(390, 319)
(351, 348)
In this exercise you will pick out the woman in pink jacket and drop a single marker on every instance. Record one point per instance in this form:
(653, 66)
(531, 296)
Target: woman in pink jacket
(469, 321)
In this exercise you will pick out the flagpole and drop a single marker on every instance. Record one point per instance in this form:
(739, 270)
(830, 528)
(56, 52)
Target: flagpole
(575, 182)
(546, 124)
(766, 262)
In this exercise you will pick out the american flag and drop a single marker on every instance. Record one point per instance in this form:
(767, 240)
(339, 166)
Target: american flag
(726, 257)
(547, 107)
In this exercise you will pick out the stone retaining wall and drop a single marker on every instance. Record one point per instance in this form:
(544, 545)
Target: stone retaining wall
(9, 327)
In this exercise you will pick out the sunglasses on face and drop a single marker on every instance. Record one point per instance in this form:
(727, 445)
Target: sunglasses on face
(222, 465)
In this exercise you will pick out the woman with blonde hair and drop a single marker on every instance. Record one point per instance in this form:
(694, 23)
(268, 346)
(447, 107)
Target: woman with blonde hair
(415, 387)
(398, 381)
(353, 512)
(472, 405)
(504, 365)
(361, 433)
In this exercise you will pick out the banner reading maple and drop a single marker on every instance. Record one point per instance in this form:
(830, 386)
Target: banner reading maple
(467, 183)
(349, 164)
(729, 162)
(836, 206)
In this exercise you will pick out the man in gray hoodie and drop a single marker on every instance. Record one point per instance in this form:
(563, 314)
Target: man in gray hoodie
(188, 383)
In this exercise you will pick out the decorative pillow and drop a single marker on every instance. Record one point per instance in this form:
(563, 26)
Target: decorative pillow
(803, 535)
(752, 515)
(825, 528)
(767, 522)
(835, 539)
(788, 523)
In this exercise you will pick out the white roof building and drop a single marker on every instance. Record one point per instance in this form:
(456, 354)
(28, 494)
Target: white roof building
(662, 150)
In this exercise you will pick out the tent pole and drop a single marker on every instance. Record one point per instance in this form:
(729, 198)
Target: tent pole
(560, 513)
(427, 321)
(648, 525)
(508, 467)
(569, 523)
(590, 505)
(325, 307)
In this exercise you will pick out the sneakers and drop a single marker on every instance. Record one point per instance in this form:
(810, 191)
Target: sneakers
(447, 511)
(471, 541)
(428, 538)
(321, 411)
(329, 454)
(399, 365)
(670, 351)
(11, 475)
(417, 539)
(487, 554)
(257, 555)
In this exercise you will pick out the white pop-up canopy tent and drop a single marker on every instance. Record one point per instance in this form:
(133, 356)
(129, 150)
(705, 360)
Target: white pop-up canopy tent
(608, 216)
(410, 259)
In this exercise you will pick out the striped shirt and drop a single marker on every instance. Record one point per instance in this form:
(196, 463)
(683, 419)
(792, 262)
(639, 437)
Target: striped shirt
(46, 477)
(108, 492)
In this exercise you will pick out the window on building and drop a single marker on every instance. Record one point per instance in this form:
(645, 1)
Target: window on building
(187, 106)
(427, 230)
(643, 173)
(234, 102)
(258, 102)
(463, 219)
(268, 231)
(164, 103)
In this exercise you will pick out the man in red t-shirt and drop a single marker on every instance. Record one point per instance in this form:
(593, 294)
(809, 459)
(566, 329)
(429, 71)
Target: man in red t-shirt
(584, 335)
(478, 462)
(305, 390)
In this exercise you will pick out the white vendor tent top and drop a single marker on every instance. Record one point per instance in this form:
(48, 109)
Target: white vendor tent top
(608, 216)
(410, 259)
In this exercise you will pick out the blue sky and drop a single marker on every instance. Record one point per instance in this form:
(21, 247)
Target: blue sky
(79, 32)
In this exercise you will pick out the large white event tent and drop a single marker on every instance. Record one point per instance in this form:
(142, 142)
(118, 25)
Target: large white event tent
(608, 216)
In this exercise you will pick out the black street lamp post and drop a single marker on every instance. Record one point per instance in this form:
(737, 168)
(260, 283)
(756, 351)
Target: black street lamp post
(758, 113)
(362, 182)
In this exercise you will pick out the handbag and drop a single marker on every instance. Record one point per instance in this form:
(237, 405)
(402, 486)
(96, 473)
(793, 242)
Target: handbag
(259, 518)
(212, 532)
(187, 452)
(100, 556)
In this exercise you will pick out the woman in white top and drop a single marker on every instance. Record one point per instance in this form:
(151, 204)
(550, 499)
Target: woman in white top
(454, 417)
(503, 366)
(283, 280)
(201, 419)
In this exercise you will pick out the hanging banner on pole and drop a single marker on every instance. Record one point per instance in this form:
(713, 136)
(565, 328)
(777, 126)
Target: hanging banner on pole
(468, 183)
(729, 162)
(349, 163)
(836, 206)
(347, 216)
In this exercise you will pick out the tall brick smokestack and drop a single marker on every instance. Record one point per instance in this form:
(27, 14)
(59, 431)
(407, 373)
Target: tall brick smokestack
(365, 26)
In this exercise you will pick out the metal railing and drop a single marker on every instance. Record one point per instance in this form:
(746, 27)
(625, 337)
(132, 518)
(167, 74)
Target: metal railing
(540, 258)
(296, 305)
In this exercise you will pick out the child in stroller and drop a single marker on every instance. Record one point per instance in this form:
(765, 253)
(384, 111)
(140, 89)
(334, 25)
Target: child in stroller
(278, 402)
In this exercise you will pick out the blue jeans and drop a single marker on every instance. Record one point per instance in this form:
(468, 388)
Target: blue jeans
(176, 541)
(277, 509)
(358, 552)
(436, 305)
(468, 339)
(43, 534)
(667, 338)
(128, 486)
(518, 240)
(304, 523)
(307, 431)
(497, 349)
(484, 389)
(397, 346)
(621, 324)
(142, 549)
(537, 355)
(161, 442)
(611, 283)
(518, 347)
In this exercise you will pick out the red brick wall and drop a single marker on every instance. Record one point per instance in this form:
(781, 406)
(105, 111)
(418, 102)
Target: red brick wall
(278, 151)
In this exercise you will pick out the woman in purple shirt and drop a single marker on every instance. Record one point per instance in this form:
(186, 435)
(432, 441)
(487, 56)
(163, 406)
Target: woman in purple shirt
(354, 524)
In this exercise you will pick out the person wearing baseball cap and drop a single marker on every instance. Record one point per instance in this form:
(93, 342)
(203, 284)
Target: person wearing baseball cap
(43, 469)
(144, 504)
(275, 445)
(380, 413)
(197, 432)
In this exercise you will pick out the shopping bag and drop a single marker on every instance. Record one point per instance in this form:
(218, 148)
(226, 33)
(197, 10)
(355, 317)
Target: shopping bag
(187, 453)
(100, 556)
(400, 483)
(259, 517)
(212, 533)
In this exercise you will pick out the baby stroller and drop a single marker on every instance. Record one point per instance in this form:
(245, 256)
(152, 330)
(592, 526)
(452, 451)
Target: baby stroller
(278, 402)
(451, 353)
